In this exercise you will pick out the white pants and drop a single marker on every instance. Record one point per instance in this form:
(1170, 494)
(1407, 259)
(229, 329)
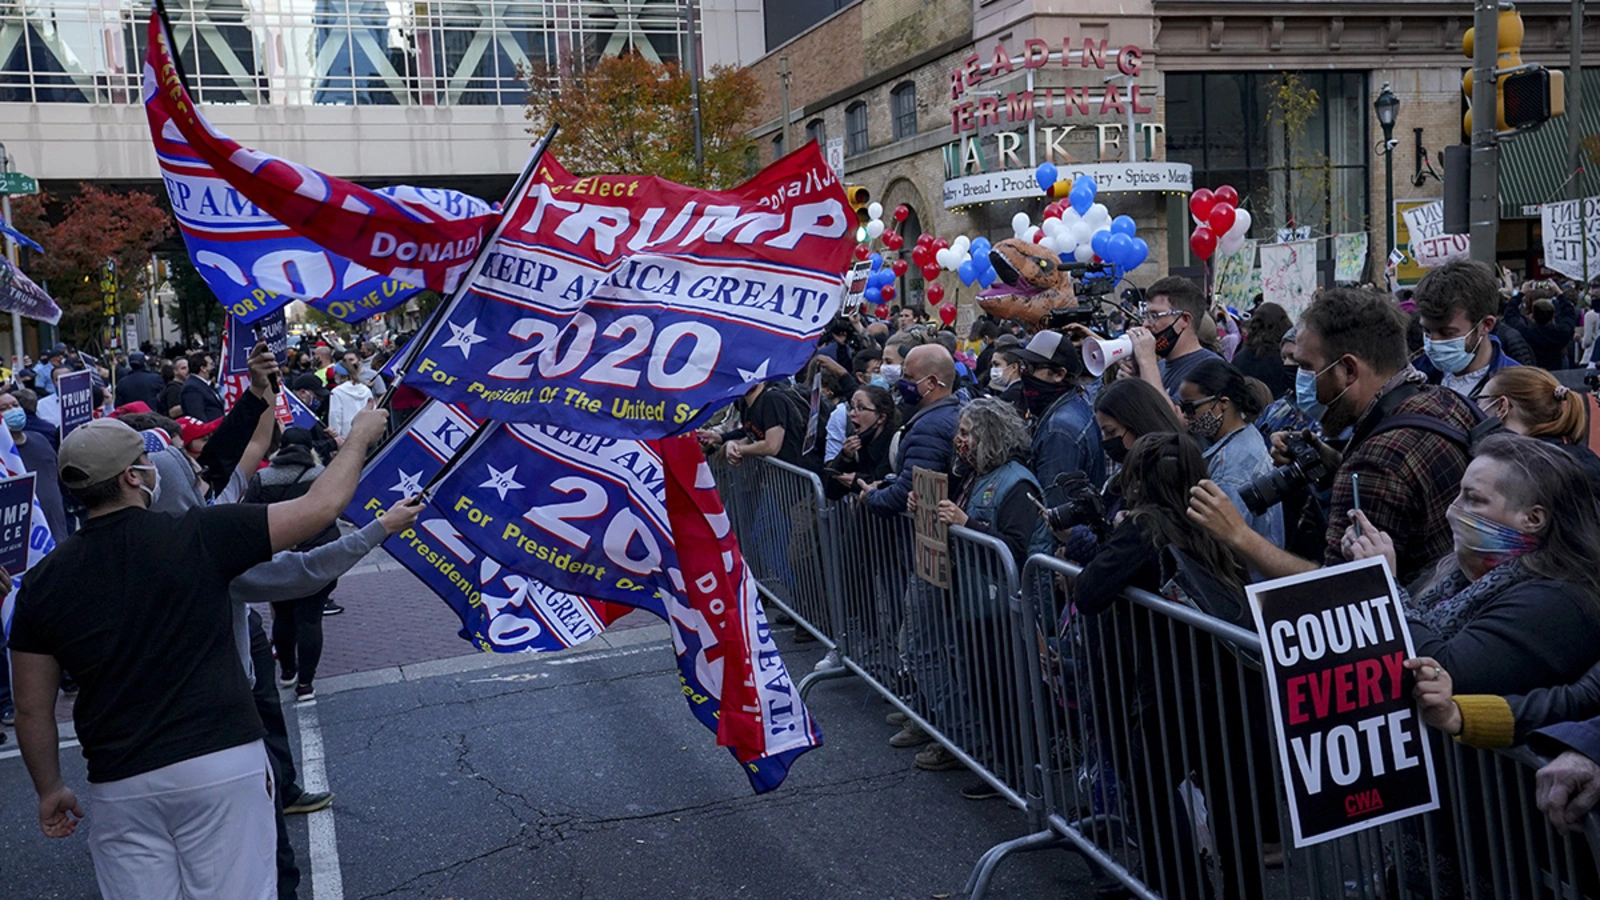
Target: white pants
(201, 829)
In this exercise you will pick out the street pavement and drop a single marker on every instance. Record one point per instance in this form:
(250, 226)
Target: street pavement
(574, 775)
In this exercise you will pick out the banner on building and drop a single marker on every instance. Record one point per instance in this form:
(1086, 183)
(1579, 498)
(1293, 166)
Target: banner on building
(20, 295)
(1289, 275)
(224, 193)
(1430, 245)
(632, 307)
(1349, 739)
(1349, 257)
(16, 522)
(77, 400)
(1234, 286)
(1571, 232)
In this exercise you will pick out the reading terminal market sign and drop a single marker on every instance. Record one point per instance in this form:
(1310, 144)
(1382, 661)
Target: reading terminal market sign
(1007, 122)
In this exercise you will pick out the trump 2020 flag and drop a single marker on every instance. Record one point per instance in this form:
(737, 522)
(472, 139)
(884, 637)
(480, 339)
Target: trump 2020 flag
(629, 306)
(422, 238)
(501, 610)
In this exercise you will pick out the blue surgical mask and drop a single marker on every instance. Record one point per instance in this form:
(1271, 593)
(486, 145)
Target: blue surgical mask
(880, 381)
(16, 418)
(1305, 394)
(1450, 357)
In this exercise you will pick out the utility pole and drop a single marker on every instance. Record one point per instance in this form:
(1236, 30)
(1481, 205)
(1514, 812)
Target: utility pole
(783, 76)
(1483, 208)
(692, 51)
(11, 256)
(1574, 118)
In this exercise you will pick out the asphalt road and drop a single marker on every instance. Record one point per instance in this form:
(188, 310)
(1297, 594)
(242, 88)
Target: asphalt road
(585, 776)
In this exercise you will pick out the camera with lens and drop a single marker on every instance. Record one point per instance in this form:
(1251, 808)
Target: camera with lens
(1305, 467)
(1083, 506)
(1091, 283)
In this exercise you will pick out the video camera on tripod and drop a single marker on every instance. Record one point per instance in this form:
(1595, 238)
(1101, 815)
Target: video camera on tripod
(1092, 284)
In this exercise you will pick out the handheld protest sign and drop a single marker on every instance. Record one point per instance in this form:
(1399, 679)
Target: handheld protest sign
(77, 400)
(16, 522)
(1350, 742)
(933, 536)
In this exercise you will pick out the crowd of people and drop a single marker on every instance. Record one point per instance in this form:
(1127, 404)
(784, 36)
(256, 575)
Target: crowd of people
(1231, 443)
(179, 520)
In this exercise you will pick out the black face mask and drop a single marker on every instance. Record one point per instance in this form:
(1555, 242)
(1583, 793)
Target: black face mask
(1038, 394)
(1116, 450)
(1166, 339)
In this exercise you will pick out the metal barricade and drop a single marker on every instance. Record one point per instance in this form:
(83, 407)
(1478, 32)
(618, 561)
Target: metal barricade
(1158, 766)
(780, 517)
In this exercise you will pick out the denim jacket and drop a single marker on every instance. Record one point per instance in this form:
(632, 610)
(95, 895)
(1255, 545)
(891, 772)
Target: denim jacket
(1234, 462)
(1066, 439)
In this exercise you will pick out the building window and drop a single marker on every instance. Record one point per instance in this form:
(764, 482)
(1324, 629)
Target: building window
(903, 106)
(815, 132)
(1300, 165)
(752, 162)
(855, 128)
(777, 145)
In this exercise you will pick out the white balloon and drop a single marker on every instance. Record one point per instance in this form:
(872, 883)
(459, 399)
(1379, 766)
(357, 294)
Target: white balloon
(1099, 217)
(874, 228)
(1070, 217)
(1019, 222)
(875, 211)
(1241, 223)
(1048, 242)
(1082, 233)
(961, 243)
(1084, 253)
(1035, 235)
(1230, 244)
(1053, 227)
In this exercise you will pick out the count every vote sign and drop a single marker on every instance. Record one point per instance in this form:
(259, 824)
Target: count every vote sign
(1350, 742)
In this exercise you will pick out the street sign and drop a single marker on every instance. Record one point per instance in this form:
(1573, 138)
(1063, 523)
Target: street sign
(17, 183)
(835, 155)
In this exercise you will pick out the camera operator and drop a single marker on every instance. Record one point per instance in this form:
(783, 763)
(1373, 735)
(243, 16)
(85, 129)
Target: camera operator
(1059, 412)
(1409, 441)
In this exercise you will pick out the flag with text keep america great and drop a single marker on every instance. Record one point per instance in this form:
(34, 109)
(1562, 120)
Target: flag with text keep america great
(630, 306)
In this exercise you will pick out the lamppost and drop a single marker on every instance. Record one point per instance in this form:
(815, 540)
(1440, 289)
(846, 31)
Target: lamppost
(1387, 106)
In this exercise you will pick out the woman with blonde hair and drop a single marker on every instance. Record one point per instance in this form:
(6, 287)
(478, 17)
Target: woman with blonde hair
(1532, 402)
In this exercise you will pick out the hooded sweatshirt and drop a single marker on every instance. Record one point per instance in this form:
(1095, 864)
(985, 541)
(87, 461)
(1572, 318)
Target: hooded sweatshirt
(344, 402)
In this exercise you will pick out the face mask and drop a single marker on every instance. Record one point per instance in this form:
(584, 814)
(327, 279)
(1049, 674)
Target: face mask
(1116, 450)
(890, 373)
(16, 418)
(1305, 392)
(908, 392)
(1450, 357)
(1205, 425)
(1488, 540)
(155, 492)
(1166, 339)
(997, 378)
(1038, 394)
(963, 448)
(880, 381)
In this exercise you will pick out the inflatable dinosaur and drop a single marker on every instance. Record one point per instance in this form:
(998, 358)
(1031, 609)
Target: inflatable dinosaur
(1031, 282)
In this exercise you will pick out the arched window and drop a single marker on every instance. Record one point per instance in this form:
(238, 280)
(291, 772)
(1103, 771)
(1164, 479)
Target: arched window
(815, 132)
(903, 106)
(777, 145)
(855, 128)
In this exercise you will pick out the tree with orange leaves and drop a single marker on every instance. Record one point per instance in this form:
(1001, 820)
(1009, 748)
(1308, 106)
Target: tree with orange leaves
(630, 116)
(80, 236)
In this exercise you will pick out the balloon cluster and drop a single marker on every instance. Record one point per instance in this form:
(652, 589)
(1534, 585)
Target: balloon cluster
(876, 228)
(1219, 222)
(880, 282)
(928, 255)
(1080, 229)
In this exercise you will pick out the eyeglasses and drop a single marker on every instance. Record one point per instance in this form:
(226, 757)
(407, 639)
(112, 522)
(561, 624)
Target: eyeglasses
(863, 409)
(1187, 407)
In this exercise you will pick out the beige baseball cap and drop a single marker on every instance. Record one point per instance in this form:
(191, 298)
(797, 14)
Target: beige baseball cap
(97, 451)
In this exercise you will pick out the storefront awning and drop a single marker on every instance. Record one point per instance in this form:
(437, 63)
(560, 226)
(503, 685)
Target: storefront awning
(1533, 165)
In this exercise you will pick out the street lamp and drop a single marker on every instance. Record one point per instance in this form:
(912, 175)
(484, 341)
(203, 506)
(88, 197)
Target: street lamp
(1387, 106)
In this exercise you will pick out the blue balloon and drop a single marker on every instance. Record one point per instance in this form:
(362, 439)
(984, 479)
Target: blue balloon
(1046, 176)
(967, 273)
(1081, 198)
(884, 276)
(1087, 182)
(1118, 246)
(873, 295)
(1123, 225)
(980, 247)
(987, 277)
(1137, 254)
(877, 261)
(1100, 243)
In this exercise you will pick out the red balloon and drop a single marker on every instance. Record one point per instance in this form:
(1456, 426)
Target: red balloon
(881, 312)
(935, 294)
(1221, 218)
(893, 241)
(1053, 211)
(947, 315)
(899, 266)
(1226, 194)
(940, 244)
(921, 255)
(1203, 242)
(931, 270)
(888, 293)
(862, 252)
(924, 238)
(902, 212)
(1201, 202)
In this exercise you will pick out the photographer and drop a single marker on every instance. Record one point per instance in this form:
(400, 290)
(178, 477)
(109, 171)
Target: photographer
(1408, 445)
(1058, 409)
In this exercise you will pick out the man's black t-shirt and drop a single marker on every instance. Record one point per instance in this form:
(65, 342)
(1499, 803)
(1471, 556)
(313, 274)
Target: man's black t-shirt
(135, 606)
(777, 406)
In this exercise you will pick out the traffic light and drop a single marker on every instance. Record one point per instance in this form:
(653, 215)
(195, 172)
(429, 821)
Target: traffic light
(1525, 95)
(858, 198)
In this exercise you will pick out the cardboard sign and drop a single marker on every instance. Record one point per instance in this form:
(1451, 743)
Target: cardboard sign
(1349, 739)
(16, 522)
(77, 400)
(1571, 231)
(933, 536)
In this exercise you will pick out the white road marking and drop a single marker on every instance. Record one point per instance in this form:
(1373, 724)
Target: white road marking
(327, 880)
(603, 654)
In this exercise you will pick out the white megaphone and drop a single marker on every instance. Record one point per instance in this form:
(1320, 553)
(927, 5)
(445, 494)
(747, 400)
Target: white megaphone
(1099, 355)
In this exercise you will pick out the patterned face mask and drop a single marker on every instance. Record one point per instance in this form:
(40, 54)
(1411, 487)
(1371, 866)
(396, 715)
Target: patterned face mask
(1490, 541)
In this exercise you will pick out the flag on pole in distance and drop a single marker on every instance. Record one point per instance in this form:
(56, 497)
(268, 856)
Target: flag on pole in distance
(632, 307)
(501, 610)
(422, 238)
